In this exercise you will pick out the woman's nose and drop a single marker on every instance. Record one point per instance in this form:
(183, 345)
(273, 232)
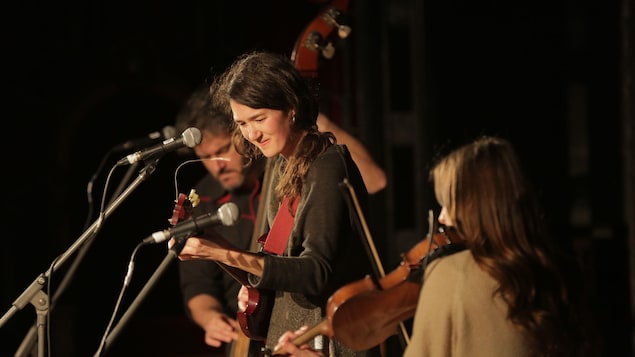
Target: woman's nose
(252, 132)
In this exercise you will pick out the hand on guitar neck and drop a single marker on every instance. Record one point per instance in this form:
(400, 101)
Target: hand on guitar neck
(206, 310)
(254, 312)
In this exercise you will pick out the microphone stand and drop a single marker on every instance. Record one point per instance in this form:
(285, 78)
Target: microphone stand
(33, 293)
(29, 339)
(170, 256)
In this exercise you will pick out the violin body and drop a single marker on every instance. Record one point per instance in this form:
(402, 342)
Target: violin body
(369, 318)
(366, 312)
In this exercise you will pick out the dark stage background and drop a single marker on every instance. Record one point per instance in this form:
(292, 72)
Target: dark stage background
(82, 77)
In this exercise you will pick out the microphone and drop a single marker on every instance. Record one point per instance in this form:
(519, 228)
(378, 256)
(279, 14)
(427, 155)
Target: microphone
(190, 138)
(152, 138)
(226, 215)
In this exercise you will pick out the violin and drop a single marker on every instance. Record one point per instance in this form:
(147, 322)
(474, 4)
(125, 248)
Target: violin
(364, 313)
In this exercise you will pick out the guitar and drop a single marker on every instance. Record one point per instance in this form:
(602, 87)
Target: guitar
(260, 302)
(254, 320)
(253, 326)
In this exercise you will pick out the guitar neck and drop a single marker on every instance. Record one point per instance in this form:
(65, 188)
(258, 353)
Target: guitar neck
(238, 274)
(259, 227)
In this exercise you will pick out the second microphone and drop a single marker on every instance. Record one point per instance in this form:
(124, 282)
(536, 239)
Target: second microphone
(226, 215)
(190, 138)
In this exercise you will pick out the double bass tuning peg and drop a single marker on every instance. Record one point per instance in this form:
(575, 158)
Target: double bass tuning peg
(317, 38)
(335, 18)
(315, 42)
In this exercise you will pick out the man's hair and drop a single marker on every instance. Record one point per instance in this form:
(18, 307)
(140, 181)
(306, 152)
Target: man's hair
(200, 112)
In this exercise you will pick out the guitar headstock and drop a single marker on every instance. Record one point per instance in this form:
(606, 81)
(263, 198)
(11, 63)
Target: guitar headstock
(194, 198)
(184, 206)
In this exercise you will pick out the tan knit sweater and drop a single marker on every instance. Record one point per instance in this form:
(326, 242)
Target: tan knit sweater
(457, 316)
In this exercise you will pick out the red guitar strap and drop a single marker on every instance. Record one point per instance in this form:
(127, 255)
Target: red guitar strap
(278, 235)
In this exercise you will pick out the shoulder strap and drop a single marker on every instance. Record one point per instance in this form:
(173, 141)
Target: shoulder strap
(278, 235)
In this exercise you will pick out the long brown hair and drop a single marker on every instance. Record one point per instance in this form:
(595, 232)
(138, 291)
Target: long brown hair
(261, 79)
(494, 210)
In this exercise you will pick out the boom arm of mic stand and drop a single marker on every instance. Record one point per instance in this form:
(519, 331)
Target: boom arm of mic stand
(34, 294)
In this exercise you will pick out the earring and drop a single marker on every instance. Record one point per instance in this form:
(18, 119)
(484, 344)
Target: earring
(293, 120)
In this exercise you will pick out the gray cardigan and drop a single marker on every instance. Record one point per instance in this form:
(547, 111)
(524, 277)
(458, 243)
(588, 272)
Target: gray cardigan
(325, 250)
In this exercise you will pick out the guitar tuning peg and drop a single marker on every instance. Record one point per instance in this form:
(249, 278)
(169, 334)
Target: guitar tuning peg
(194, 198)
(334, 18)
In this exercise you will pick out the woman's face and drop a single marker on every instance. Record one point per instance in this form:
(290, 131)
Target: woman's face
(268, 129)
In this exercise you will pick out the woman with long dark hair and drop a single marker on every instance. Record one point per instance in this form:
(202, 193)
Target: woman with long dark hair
(275, 113)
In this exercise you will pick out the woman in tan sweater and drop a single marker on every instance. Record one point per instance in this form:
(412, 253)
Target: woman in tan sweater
(508, 294)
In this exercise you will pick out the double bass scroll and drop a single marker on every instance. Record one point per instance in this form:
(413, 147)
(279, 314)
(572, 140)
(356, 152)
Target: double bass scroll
(315, 41)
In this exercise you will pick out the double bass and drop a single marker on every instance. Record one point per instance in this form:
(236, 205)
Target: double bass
(315, 44)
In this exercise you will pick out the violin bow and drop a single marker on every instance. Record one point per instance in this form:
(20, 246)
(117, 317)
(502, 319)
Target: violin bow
(352, 196)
